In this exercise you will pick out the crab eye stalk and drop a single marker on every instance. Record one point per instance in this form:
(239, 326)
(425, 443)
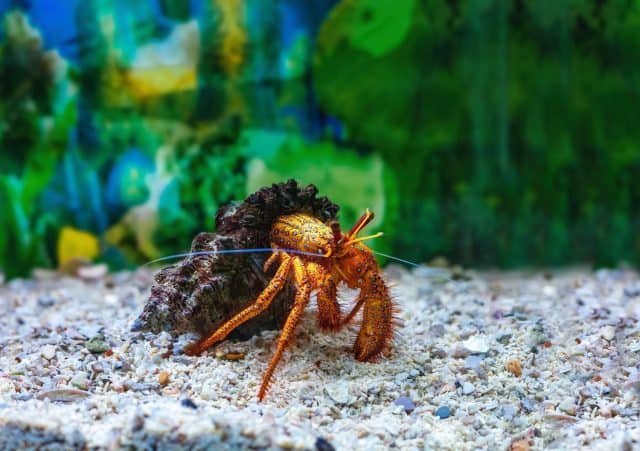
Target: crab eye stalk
(361, 223)
(335, 229)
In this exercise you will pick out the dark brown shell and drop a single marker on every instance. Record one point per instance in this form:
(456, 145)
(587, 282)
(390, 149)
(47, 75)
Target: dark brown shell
(203, 291)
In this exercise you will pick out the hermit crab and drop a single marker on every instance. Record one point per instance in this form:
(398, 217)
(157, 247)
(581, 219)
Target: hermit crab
(310, 254)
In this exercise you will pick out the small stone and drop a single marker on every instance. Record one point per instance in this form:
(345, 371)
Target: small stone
(437, 330)
(284, 442)
(473, 362)
(549, 291)
(80, 381)
(568, 406)
(231, 356)
(459, 353)
(632, 292)
(508, 411)
(476, 345)
(46, 301)
(520, 445)
(322, 444)
(406, 403)
(608, 333)
(586, 392)
(447, 388)
(187, 402)
(97, 367)
(514, 367)
(339, 394)
(527, 405)
(468, 420)
(537, 338)
(468, 388)
(439, 353)
(48, 352)
(63, 395)
(504, 338)
(443, 412)
(97, 344)
(92, 272)
(163, 378)
(137, 325)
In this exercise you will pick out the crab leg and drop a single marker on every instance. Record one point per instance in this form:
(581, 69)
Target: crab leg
(377, 319)
(356, 308)
(326, 298)
(300, 302)
(260, 305)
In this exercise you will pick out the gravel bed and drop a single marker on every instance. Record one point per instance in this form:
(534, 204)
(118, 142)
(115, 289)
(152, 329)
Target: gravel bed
(524, 360)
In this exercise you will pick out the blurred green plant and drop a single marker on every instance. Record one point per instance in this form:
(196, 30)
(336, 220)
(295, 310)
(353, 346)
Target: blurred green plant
(22, 243)
(515, 125)
(491, 132)
(34, 130)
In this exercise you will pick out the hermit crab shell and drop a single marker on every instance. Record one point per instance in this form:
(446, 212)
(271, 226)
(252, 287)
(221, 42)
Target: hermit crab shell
(203, 291)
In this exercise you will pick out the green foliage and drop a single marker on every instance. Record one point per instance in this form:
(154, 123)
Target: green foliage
(34, 131)
(23, 237)
(379, 27)
(493, 132)
(514, 126)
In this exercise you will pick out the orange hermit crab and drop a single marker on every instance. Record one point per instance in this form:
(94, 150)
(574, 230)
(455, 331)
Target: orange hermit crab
(341, 258)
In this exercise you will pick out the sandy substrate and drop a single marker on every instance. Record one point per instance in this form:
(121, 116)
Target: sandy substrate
(500, 360)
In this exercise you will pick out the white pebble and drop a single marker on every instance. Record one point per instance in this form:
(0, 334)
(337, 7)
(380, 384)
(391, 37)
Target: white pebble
(468, 388)
(476, 344)
(48, 352)
(568, 406)
(79, 381)
(608, 333)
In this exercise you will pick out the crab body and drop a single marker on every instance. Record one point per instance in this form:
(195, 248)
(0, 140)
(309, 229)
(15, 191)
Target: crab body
(318, 257)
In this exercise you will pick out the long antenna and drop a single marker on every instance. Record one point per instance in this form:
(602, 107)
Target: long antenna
(233, 251)
(424, 270)
(391, 257)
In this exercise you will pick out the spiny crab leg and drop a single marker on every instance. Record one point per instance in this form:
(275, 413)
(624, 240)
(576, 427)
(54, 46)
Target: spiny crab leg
(376, 330)
(260, 305)
(326, 298)
(300, 302)
(356, 308)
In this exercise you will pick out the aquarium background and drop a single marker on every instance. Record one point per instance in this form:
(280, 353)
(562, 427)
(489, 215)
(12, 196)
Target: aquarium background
(493, 133)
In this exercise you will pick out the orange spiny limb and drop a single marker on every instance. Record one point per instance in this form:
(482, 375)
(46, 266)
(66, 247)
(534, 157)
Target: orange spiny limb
(264, 299)
(377, 319)
(354, 311)
(328, 305)
(271, 260)
(301, 301)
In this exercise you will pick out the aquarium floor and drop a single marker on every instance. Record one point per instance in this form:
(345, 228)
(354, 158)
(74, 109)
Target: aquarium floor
(520, 360)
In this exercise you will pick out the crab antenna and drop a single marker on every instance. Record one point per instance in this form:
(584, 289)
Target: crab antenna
(233, 251)
(369, 237)
(398, 259)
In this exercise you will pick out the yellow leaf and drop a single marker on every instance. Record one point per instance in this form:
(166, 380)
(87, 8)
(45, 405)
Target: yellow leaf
(74, 243)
